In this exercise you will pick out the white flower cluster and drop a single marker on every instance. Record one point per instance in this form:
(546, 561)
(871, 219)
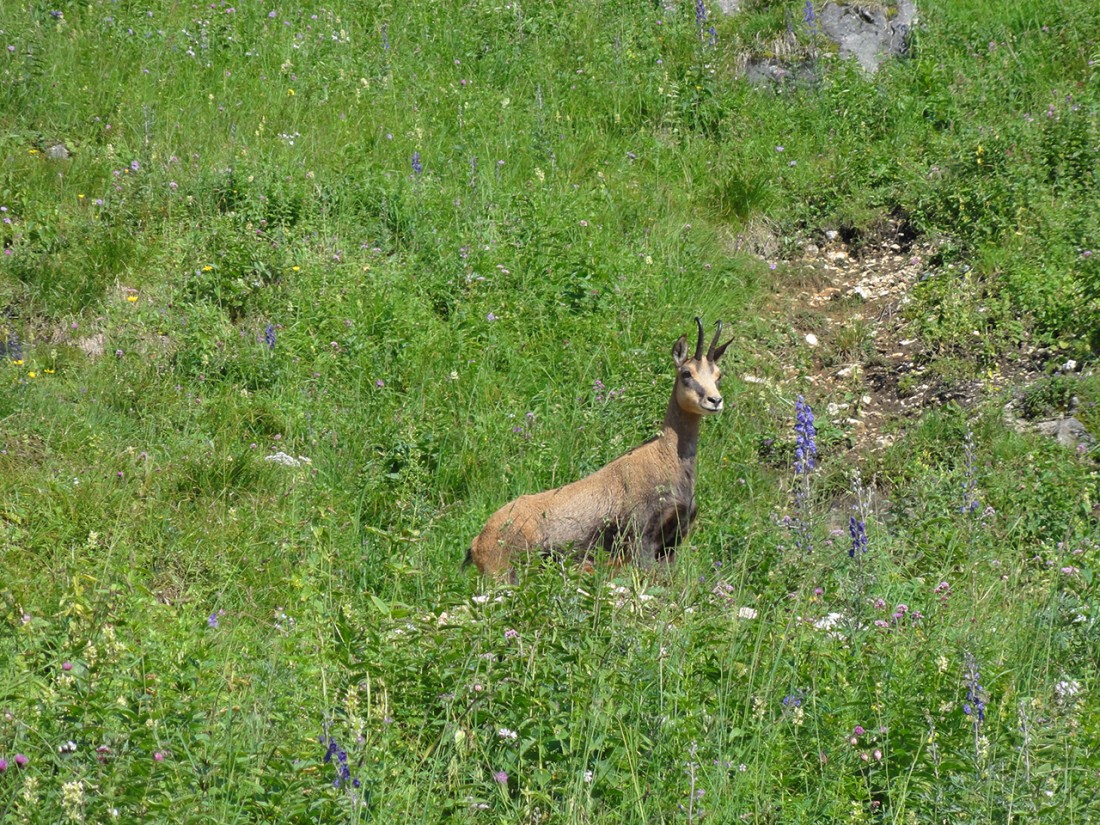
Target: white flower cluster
(288, 460)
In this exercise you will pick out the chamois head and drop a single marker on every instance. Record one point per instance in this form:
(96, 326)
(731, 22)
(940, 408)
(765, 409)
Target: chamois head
(697, 377)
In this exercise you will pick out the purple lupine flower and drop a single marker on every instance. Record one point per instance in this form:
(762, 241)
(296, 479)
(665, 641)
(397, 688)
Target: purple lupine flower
(805, 437)
(700, 13)
(975, 702)
(417, 166)
(269, 336)
(857, 529)
(804, 451)
(212, 620)
(971, 502)
(338, 757)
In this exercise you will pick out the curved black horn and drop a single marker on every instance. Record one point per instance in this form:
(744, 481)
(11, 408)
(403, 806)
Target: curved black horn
(699, 343)
(714, 343)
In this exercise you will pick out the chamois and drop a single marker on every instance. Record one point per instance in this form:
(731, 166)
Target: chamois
(638, 507)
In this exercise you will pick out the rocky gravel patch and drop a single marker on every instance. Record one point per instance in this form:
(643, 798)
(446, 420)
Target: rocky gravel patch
(868, 367)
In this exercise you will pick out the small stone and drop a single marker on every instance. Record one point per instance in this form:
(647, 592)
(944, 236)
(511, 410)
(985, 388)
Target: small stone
(57, 151)
(831, 234)
(1069, 432)
(811, 339)
(811, 250)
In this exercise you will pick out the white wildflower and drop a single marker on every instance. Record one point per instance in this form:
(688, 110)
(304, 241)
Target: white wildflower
(829, 622)
(1067, 689)
(288, 460)
(72, 800)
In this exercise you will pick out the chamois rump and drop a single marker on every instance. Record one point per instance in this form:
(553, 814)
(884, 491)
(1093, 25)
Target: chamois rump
(638, 507)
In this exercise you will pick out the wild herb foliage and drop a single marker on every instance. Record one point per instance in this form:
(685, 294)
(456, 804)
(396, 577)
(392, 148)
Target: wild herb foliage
(318, 287)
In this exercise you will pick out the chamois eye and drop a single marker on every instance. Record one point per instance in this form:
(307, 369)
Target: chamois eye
(686, 375)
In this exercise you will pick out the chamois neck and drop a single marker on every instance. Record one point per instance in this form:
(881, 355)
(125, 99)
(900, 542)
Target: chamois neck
(681, 430)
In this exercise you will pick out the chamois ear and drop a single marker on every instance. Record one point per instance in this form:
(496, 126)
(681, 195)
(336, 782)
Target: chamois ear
(719, 350)
(680, 350)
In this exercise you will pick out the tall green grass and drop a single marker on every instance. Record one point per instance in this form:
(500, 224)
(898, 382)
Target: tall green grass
(406, 246)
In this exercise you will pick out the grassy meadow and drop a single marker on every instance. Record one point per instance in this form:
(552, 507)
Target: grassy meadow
(315, 288)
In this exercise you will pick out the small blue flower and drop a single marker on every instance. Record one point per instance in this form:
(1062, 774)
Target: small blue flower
(269, 336)
(417, 166)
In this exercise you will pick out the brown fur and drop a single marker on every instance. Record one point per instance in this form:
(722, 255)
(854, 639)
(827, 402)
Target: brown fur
(638, 507)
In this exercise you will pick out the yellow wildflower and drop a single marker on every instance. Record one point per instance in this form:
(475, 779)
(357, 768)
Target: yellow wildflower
(132, 298)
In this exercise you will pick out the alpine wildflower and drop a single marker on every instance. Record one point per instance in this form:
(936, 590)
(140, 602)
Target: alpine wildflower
(974, 706)
(971, 502)
(804, 451)
(857, 529)
(338, 758)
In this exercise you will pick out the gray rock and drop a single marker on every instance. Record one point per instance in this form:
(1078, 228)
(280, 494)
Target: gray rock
(57, 151)
(764, 71)
(868, 33)
(728, 6)
(1069, 432)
